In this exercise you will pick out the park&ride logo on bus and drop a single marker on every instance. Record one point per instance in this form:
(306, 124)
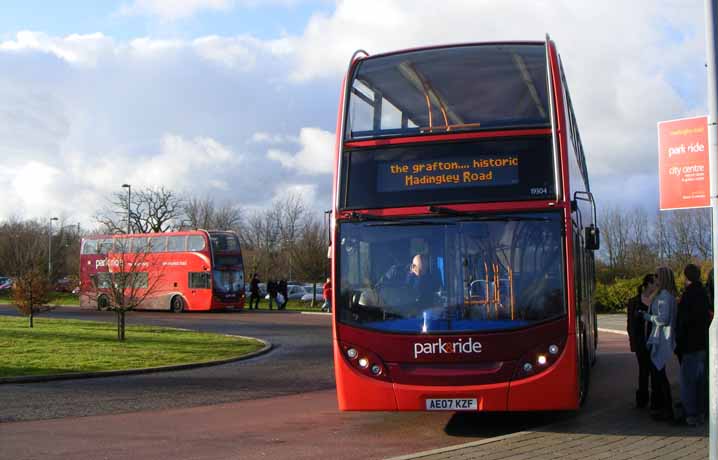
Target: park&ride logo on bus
(441, 347)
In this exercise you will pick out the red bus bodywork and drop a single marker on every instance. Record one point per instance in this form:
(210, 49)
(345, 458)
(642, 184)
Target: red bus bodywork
(495, 378)
(185, 269)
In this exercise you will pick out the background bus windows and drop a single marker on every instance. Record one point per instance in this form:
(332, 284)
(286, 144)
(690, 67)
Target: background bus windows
(195, 243)
(104, 246)
(176, 243)
(199, 280)
(224, 242)
(102, 280)
(157, 244)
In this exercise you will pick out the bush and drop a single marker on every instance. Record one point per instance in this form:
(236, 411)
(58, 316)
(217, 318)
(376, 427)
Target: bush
(613, 298)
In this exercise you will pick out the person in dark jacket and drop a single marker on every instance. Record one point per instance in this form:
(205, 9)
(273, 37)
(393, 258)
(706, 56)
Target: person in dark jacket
(691, 344)
(272, 292)
(254, 292)
(284, 290)
(638, 329)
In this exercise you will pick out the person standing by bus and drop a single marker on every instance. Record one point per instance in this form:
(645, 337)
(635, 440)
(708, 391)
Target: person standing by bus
(638, 330)
(691, 344)
(327, 293)
(662, 340)
(254, 292)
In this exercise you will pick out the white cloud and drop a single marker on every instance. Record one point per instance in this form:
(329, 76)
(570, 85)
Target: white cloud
(233, 53)
(316, 155)
(78, 49)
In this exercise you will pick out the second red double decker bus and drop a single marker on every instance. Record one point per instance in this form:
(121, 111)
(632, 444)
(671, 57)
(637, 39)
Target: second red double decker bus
(463, 233)
(178, 271)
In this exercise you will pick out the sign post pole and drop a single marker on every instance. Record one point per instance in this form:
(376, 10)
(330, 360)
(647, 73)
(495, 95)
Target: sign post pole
(711, 10)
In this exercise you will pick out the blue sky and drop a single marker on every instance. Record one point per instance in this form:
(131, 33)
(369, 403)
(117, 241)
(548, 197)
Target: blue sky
(261, 19)
(237, 99)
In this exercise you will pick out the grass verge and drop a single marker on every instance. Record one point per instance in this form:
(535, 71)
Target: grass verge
(56, 346)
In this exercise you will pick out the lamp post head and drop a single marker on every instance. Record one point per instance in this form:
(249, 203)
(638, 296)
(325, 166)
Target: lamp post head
(53, 218)
(126, 185)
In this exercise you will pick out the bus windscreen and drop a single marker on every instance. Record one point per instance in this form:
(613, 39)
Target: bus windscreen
(475, 171)
(438, 275)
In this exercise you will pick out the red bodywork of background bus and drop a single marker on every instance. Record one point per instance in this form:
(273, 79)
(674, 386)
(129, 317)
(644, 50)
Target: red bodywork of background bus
(174, 267)
(496, 382)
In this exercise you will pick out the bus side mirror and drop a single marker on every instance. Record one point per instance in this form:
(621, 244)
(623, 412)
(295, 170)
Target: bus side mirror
(593, 238)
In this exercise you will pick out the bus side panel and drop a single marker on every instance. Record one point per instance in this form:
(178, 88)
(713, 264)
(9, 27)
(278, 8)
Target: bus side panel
(492, 397)
(358, 392)
(554, 389)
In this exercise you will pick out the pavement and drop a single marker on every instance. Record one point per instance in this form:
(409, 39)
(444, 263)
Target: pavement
(616, 432)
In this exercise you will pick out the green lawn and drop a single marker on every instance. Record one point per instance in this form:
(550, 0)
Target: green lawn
(57, 346)
(56, 298)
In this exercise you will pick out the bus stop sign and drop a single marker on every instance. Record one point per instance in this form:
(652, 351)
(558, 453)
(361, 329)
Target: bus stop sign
(683, 163)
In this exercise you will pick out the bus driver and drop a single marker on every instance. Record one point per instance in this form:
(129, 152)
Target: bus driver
(422, 284)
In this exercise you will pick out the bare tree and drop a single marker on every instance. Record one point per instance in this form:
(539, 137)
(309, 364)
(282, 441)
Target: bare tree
(204, 213)
(616, 233)
(128, 282)
(309, 253)
(31, 294)
(152, 210)
(23, 247)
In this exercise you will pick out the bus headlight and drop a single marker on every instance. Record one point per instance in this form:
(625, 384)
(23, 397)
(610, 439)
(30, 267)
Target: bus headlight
(539, 359)
(365, 362)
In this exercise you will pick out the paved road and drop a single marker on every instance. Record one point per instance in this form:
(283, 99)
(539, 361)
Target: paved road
(190, 421)
(300, 362)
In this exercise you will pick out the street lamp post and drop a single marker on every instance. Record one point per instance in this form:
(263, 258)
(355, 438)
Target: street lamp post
(49, 246)
(129, 197)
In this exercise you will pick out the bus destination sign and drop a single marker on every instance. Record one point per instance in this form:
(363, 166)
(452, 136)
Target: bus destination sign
(487, 170)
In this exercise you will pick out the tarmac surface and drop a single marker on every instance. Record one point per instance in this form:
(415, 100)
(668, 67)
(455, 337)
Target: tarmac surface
(307, 424)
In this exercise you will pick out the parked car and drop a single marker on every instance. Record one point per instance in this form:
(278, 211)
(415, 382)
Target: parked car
(66, 284)
(5, 283)
(295, 291)
(308, 296)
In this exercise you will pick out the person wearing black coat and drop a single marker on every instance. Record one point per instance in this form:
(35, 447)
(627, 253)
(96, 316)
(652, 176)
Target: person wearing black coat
(283, 289)
(638, 330)
(272, 291)
(691, 344)
(254, 291)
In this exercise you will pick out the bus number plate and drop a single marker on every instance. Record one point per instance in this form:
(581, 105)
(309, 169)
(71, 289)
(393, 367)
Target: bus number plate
(453, 404)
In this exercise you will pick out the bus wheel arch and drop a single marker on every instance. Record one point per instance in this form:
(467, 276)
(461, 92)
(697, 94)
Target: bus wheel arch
(177, 304)
(103, 303)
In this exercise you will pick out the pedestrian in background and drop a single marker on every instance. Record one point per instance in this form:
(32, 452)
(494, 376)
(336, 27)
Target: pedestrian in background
(638, 330)
(284, 290)
(327, 292)
(691, 345)
(662, 340)
(272, 292)
(254, 292)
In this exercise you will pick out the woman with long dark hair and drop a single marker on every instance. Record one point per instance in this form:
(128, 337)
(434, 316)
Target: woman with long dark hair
(662, 341)
(638, 330)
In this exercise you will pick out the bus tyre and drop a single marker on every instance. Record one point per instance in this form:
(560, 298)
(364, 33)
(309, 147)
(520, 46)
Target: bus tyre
(102, 303)
(177, 304)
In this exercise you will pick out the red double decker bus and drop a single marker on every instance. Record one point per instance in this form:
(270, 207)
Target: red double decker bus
(190, 270)
(463, 233)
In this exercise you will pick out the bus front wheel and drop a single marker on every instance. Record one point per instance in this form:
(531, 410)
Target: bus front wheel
(177, 304)
(102, 303)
